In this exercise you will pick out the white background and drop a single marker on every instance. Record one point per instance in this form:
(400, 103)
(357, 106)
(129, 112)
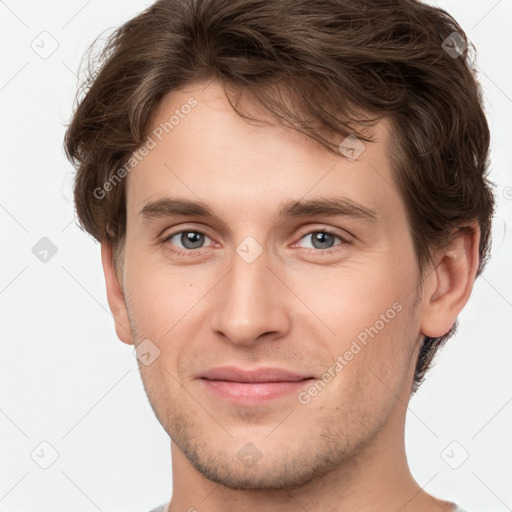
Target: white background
(66, 380)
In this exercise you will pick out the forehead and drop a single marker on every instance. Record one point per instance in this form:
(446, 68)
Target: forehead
(201, 147)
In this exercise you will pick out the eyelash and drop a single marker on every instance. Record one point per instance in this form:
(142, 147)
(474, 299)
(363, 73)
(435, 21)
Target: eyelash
(191, 252)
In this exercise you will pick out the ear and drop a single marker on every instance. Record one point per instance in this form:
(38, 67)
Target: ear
(115, 295)
(449, 285)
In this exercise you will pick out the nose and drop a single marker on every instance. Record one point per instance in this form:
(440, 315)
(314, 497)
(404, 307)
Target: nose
(251, 302)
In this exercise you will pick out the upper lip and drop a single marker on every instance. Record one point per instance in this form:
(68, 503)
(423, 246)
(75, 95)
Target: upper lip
(233, 374)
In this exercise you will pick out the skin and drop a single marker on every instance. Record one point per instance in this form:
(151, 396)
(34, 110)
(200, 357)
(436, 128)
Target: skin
(293, 307)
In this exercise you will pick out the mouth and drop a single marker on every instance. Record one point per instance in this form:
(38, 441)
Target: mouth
(252, 387)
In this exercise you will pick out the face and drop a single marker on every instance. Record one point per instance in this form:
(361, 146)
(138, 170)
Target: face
(299, 261)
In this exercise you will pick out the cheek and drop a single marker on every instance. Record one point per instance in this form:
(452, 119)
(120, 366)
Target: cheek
(384, 363)
(373, 326)
(352, 298)
(167, 306)
(369, 375)
(160, 296)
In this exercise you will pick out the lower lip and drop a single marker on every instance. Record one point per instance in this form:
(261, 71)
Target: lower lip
(253, 392)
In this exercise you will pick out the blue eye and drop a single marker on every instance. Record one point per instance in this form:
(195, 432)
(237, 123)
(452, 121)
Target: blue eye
(189, 239)
(187, 242)
(322, 239)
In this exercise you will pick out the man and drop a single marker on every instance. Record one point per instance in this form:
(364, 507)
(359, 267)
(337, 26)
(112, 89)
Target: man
(292, 205)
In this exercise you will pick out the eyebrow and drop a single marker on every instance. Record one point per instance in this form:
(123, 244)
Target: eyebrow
(330, 206)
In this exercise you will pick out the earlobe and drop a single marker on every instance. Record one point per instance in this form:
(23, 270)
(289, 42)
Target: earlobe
(451, 282)
(115, 295)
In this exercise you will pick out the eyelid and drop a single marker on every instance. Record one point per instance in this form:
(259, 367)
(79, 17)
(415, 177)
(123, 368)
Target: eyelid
(342, 234)
(174, 230)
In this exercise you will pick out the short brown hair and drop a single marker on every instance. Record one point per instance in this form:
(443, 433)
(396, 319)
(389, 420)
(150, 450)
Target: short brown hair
(343, 64)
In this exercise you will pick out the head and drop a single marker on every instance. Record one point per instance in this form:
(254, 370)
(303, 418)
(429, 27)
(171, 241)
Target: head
(247, 108)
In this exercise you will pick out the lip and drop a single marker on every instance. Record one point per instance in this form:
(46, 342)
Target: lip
(255, 375)
(252, 386)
